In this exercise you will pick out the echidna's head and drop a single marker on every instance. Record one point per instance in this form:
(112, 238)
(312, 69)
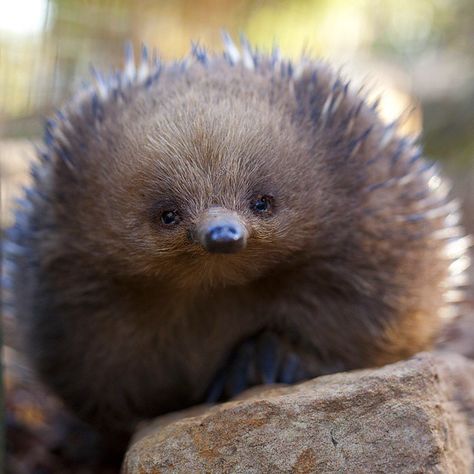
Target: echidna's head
(200, 180)
(219, 171)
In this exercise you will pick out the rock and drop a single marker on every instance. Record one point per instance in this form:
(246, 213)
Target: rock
(412, 416)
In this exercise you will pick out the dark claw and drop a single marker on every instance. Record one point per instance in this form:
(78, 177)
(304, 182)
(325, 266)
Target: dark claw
(238, 377)
(268, 357)
(260, 359)
(216, 390)
(289, 369)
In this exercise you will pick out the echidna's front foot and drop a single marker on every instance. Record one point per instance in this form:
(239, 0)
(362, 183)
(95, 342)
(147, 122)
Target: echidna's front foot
(263, 359)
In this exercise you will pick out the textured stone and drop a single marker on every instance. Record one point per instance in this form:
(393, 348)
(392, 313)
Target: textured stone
(412, 416)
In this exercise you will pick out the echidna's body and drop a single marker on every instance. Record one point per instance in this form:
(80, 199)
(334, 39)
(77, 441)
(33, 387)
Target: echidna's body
(349, 253)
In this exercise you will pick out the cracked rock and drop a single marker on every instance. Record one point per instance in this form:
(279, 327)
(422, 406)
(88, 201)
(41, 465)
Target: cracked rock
(412, 416)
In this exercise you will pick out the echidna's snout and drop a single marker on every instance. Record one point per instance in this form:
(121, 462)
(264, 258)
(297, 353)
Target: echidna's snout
(224, 237)
(221, 231)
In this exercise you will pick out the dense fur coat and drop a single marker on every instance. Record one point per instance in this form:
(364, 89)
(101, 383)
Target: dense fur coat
(356, 263)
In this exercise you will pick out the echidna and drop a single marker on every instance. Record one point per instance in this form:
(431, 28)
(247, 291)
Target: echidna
(197, 227)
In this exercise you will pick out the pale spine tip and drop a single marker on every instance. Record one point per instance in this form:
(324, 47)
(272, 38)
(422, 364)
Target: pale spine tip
(129, 71)
(247, 56)
(231, 49)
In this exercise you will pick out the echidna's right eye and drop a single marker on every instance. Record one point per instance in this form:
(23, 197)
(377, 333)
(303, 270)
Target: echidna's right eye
(170, 218)
(262, 204)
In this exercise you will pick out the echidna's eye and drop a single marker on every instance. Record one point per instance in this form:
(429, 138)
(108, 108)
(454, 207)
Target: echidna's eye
(170, 217)
(262, 204)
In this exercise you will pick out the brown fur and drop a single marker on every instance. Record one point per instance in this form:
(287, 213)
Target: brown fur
(127, 319)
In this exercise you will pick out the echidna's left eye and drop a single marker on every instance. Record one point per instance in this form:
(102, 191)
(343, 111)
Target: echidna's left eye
(262, 204)
(170, 218)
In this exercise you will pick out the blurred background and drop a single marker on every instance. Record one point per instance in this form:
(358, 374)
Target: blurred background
(418, 54)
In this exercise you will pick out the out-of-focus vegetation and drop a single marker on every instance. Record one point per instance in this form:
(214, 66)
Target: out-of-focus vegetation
(414, 52)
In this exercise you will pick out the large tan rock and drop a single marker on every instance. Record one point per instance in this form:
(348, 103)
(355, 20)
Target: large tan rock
(413, 416)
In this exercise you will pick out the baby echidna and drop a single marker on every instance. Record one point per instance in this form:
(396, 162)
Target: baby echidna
(198, 227)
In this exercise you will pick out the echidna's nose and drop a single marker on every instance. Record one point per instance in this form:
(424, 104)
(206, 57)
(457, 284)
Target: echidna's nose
(223, 237)
(220, 230)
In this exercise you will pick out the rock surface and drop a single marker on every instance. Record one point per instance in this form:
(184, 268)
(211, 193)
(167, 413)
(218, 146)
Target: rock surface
(412, 416)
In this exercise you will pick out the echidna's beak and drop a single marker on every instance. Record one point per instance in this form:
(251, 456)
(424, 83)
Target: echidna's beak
(221, 231)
